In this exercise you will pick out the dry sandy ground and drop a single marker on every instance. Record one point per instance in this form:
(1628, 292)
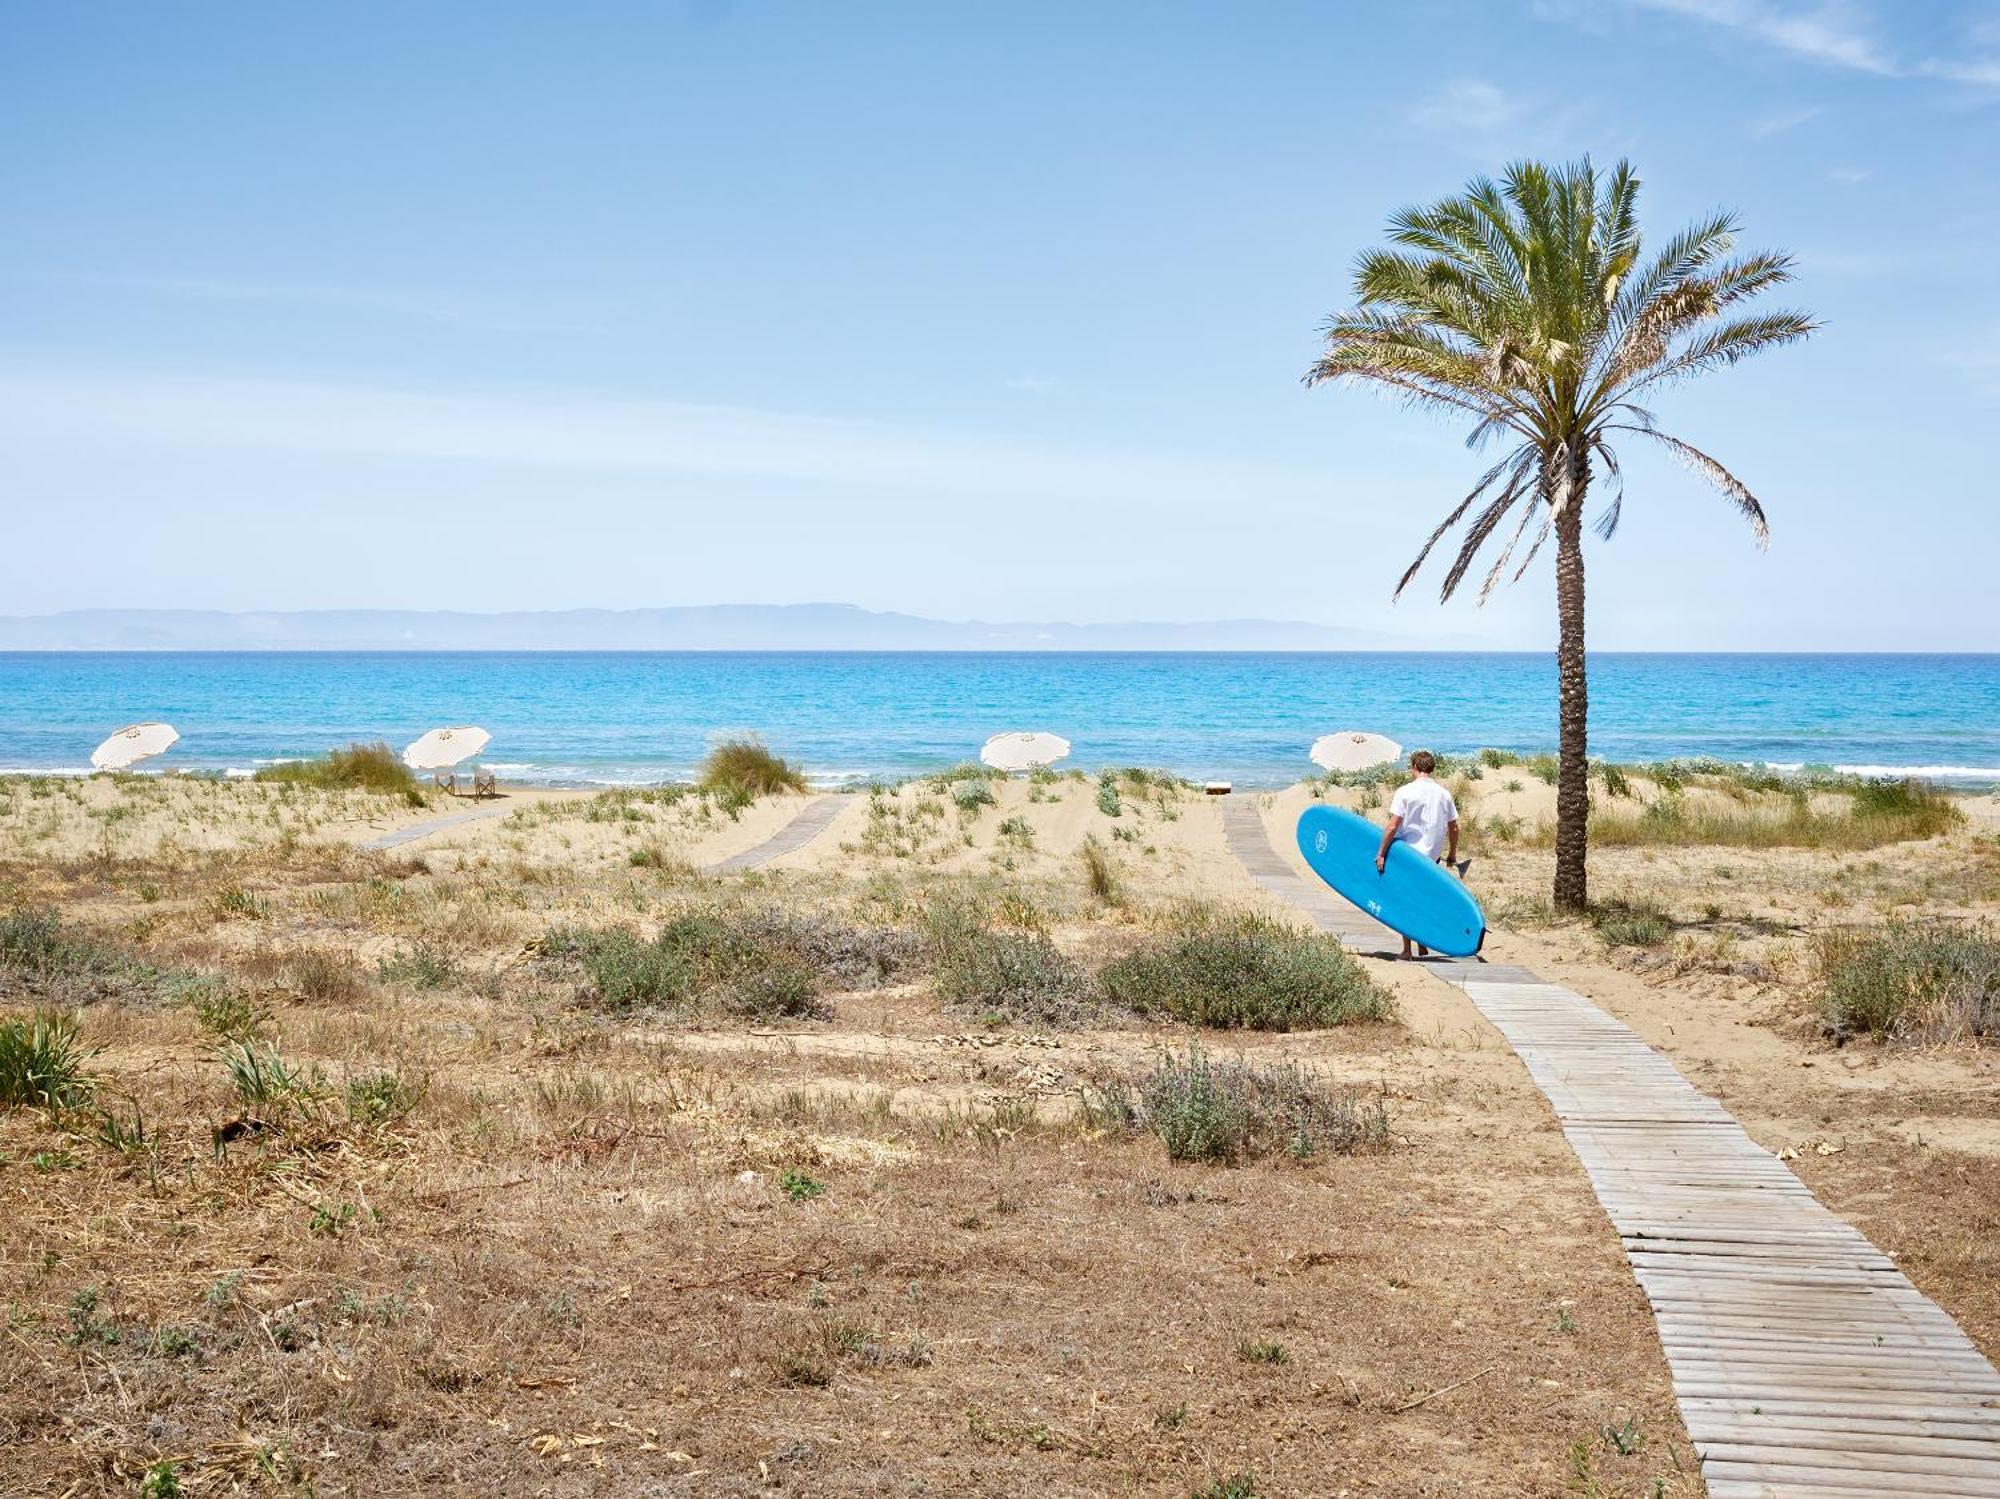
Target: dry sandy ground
(574, 1268)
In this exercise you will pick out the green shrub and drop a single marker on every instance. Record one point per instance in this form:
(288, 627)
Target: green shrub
(381, 1098)
(1249, 972)
(217, 1005)
(1107, 797)
(1205, 1110)
(1021, 976)
(421, 965)
(1929, 980)
(800, 1187)
(970, 796)
(1262, 1351)
(359, 767)
(41, 957)
(42, 1062)
(760, 962)
(747, 769)
(1622, 924)
(33, 942)
(1236, 1486)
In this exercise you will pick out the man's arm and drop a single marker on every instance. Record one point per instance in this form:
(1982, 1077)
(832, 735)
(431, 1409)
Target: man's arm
(1389, 840)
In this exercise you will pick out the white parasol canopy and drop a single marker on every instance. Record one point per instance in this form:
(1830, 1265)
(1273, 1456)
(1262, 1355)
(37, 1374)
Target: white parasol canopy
(133, 743)
(441, 749)
(1023, 751)
(1351, 750)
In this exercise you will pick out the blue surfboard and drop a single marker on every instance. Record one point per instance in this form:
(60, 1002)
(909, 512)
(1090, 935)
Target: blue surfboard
(1411, 896)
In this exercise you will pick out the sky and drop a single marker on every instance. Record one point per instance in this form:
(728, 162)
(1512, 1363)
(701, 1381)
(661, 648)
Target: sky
(981, 310)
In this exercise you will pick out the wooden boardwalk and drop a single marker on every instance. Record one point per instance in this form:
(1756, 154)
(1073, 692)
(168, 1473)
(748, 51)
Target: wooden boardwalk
(1803, 1360)
(807, 824)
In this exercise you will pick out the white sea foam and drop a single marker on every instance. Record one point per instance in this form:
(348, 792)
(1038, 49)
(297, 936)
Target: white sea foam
(1920, 772)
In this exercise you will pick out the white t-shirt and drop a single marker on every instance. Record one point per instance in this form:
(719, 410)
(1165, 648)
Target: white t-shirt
(1427, 810)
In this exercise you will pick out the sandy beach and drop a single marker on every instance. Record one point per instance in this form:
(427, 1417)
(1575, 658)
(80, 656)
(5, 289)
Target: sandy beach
(500, 1228)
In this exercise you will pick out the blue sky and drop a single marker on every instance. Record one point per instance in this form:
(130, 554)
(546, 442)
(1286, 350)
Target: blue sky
(990, 310)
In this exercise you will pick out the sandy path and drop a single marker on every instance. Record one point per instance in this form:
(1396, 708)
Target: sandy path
(1783, 1326)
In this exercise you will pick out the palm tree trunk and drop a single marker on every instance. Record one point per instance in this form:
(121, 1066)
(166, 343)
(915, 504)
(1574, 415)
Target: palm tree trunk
(1572, 892)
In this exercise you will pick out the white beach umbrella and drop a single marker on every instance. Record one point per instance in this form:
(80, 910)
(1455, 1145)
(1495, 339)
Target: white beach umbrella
(133, 743)
(441, 749)
(1023, 751)
(1349, 750)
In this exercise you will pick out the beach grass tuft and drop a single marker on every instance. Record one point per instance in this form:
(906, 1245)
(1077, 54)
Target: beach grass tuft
(745, 768)
(43, 1062)
(359, 767)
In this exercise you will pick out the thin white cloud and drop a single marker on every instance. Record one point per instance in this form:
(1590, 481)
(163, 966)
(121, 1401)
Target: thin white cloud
(1784, 123)
(1034, 385)
(414, 306)
(1491, 118)
(1838, 34)
(1850, 175)
(58, 411)
(1468, 104)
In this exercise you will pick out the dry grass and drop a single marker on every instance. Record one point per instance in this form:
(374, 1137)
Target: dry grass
(373, 1196)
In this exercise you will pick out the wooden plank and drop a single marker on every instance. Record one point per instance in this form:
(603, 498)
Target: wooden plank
(1850, 1460)
(1834, 1484)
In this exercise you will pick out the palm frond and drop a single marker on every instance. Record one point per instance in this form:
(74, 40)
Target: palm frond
(1500, 563)
(1475, 538)
(1518, 460)
(1729, 344)
(1607, 519)
(1732, 488)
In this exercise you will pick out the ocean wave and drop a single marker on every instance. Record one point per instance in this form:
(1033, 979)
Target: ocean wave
(1919, 772)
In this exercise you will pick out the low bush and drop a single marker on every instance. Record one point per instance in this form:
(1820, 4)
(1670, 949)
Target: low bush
(359, 767)
(761, 963)
(1625, 924)
(421, 965)
(746, 768)
(43, 1061)
(378, 1099)
(1020, 976)
(970, 796)
(50, 963)
(1247, 972)
(1208, 1110)
(1927, 981)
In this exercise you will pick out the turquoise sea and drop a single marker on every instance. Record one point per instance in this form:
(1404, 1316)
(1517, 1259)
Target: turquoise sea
(616, 718)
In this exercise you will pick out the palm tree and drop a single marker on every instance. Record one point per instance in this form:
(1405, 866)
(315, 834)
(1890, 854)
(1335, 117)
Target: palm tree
(1526, 306)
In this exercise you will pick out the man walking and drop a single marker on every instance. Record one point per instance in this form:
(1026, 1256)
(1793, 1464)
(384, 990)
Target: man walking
(1423, 815)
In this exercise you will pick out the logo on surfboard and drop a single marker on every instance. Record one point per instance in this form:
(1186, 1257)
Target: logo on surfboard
(1319, 841)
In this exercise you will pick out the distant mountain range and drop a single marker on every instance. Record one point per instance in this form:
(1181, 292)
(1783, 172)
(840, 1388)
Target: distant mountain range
(721, 627)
